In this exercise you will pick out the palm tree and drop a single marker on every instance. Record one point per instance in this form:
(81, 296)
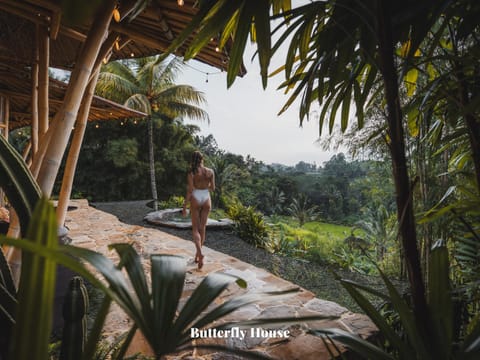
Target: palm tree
(148, 85)
(302, 210)
(378, 230)
(225, 174)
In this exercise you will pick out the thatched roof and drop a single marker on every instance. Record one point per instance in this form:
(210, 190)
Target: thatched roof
(16, 85)
(148, 34)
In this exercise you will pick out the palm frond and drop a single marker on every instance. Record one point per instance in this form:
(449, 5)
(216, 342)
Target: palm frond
(115, 87)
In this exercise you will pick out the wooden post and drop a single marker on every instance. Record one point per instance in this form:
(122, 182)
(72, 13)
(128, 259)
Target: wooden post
(34, 100)
(65, 117)
(44, 61)
(74, 151)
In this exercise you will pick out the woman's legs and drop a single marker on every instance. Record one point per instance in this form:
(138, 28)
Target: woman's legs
(199, 215)
(204, 212)
(196, 235)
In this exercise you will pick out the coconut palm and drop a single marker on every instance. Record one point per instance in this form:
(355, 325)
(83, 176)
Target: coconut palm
(149, 85)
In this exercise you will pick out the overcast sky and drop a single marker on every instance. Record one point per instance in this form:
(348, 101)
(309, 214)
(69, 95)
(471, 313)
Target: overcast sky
(243, 119)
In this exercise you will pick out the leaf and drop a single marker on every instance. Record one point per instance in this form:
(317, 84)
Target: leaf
(36, 289)
(17, 182)
(440, 298)
(210, 287)
(168, 276)
(238, 48)
(384, 327)
(356, 343)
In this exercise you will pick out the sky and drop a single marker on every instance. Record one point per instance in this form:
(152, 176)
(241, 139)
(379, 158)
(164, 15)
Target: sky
(243, 119)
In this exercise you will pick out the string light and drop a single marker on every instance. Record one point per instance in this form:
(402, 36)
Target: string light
(180, 2)
(207, 74)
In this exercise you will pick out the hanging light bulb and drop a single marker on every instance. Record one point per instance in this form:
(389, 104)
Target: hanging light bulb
(116, 15)
(180, 2)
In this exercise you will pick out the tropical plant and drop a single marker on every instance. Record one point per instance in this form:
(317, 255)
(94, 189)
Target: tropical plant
(226, 174)
(378, 229)
(149, 85)
(448, 341)
(275, 199)
(17, 182)
(249, 224)
(302, 210)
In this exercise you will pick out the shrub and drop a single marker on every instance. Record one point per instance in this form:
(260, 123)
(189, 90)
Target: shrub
(172, 202)
(249, 225)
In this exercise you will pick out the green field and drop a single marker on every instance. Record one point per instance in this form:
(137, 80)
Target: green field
(314, 240)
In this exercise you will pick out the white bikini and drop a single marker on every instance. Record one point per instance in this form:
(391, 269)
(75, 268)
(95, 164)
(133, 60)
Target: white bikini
(201, 195)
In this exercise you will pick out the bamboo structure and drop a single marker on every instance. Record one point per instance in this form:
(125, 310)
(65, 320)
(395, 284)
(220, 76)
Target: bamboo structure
(74, 151)
(44, 61)
(34, 95)
(34, 37)
(65, 119)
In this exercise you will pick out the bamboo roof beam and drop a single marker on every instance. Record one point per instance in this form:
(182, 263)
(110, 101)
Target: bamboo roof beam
(73, 34)
(26, 11)
(139, 36)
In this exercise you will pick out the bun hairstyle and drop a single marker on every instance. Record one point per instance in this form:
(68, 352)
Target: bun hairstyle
(197, 158)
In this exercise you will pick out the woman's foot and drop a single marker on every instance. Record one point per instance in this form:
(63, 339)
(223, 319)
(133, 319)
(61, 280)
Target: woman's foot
(200, 262)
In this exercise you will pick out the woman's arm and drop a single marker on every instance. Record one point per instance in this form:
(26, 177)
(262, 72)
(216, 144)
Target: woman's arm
(189, 192)
(211, 185)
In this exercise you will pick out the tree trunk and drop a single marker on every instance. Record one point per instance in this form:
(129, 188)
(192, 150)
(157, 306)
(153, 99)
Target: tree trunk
(65, 118)
(404, 199)
(151, 159)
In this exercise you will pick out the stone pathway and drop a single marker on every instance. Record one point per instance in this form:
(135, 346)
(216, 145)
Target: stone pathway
(94, 229)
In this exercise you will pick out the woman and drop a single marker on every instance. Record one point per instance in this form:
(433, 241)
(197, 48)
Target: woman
(200, 181)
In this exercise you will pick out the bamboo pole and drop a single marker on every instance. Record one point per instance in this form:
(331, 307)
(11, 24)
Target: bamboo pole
(74, 151)
(80, 126)
(34, 95)
(44, 60)
(65, 117)
(6, 110)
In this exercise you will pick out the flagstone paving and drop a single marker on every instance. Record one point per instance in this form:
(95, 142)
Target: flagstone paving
(95, 230)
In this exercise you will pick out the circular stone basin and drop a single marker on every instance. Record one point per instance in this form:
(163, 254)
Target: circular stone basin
(173, 218)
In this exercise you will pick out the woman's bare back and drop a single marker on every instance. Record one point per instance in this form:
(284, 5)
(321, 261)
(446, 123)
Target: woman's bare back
(203, 178)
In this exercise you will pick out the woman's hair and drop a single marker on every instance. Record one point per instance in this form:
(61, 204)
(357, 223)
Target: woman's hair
(197, 158)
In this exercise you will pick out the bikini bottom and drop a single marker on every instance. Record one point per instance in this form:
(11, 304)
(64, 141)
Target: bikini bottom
(201, 195)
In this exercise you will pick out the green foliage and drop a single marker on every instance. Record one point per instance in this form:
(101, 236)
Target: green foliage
(441, 338)
(34, 312)
(122, 152)
(17, 182)
(314, 241)
(172, 202)
(249, 224)
(118, 177)
(302, 210)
